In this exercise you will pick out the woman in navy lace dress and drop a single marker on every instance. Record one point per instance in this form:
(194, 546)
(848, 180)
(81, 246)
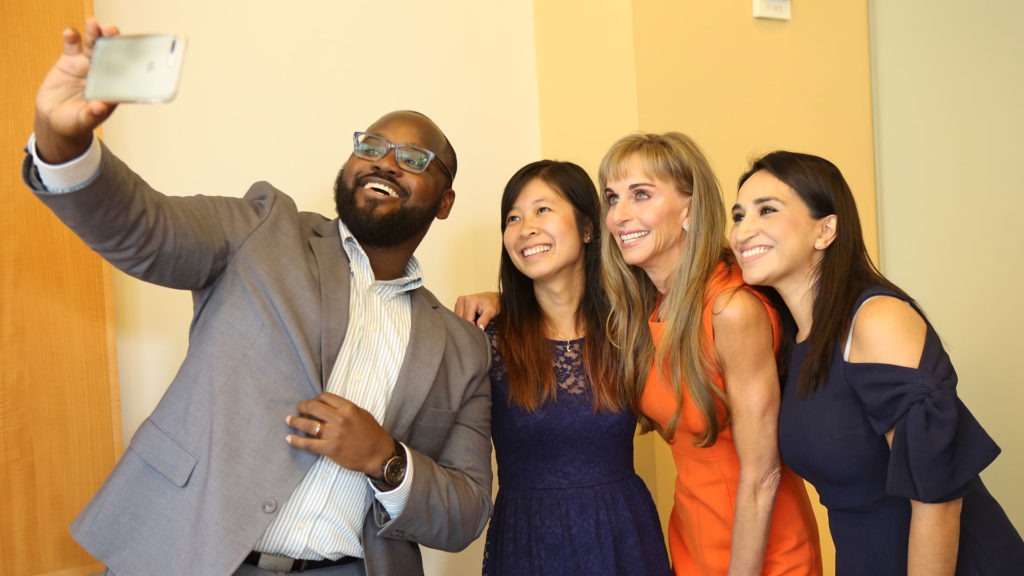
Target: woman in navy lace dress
(869, 411)
(569, 501)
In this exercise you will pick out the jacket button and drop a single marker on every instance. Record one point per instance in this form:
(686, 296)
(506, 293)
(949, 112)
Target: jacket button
(270, 506)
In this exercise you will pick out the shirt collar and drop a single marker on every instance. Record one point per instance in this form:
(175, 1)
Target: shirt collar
(361, 269)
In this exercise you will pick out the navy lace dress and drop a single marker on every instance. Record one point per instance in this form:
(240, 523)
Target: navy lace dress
(569, 501)
(835, 439)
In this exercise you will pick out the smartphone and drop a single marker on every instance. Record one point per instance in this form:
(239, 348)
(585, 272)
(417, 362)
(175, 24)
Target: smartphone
(142, 68)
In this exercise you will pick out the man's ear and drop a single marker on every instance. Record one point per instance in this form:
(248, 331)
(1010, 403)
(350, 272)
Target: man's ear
(447, 201)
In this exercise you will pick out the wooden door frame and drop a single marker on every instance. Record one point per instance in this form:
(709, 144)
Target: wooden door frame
(60, 413)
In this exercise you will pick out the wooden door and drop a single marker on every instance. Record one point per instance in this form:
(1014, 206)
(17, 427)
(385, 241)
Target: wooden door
(60, 424)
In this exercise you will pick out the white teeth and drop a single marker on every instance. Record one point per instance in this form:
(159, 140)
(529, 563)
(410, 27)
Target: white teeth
(756, 250)
(382, 188)
(536, 250)
(632, 236)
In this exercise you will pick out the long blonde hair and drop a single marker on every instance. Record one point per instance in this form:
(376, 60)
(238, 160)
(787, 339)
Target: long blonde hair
(682, 352)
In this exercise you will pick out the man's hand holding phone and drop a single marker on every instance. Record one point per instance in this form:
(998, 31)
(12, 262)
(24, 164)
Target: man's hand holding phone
(64, 119)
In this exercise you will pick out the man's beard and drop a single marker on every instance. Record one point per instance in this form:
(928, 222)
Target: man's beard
(382, 231)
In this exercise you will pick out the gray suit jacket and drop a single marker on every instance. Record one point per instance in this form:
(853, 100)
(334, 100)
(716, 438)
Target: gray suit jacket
(205, 474)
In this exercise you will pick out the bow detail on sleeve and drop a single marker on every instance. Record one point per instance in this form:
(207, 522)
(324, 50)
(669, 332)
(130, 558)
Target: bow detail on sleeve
(938, 446)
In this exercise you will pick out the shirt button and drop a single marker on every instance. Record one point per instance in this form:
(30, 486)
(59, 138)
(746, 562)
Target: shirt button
(270, 506)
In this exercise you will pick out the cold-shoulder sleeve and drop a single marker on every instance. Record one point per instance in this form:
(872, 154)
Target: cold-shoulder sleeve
(938, 446)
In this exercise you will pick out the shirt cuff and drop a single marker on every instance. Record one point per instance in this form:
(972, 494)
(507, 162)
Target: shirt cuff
(394, 500)
(69, 176)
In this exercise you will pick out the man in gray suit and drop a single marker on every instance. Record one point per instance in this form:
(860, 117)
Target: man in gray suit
(330, 414)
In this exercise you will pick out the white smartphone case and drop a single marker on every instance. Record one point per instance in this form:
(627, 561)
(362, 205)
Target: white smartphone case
(143, 68)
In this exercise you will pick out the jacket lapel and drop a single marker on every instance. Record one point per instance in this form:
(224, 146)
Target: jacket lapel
(422, 359)
(333, 267)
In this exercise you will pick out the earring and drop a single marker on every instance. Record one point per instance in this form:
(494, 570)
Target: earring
(686, 226)
(586, 239)
(818, 245)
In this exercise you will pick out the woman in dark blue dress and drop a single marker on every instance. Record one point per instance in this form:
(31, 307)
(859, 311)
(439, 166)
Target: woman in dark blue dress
(569, 501)
(869, 411)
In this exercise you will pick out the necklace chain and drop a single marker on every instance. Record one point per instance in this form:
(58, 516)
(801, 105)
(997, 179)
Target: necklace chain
(558, 335)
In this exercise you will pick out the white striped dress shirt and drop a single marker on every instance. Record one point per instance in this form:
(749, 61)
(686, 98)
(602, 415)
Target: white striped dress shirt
(324, 516)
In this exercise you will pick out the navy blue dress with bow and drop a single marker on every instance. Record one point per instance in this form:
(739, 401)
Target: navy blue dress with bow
(835, 439)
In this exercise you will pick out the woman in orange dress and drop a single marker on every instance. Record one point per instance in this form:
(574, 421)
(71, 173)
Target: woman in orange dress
(703, 345)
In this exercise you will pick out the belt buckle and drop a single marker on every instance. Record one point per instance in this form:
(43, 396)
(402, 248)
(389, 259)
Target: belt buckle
(275, 562)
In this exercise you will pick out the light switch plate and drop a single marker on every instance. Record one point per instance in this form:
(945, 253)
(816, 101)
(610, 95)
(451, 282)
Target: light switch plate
(773, 9)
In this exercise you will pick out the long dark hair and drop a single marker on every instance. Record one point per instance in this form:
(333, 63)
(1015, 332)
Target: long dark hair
(520, 328)
(845, 269)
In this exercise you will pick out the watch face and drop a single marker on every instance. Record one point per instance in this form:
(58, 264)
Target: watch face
(394, 470)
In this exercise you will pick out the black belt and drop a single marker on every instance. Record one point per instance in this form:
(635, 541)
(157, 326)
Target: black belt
(286, 564)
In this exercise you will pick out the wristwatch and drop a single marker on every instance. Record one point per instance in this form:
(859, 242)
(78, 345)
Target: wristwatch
(392, 472)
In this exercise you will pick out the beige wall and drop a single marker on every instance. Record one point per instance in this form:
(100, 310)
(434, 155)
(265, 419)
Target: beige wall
(949, 88)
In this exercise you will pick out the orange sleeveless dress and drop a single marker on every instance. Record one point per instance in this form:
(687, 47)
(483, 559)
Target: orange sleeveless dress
(700, 529)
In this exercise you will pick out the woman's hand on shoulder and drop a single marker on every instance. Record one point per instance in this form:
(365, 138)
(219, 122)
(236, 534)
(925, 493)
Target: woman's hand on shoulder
(888, 330)
(479, 308)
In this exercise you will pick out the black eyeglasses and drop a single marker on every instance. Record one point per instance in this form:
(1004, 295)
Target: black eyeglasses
(410, 158)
